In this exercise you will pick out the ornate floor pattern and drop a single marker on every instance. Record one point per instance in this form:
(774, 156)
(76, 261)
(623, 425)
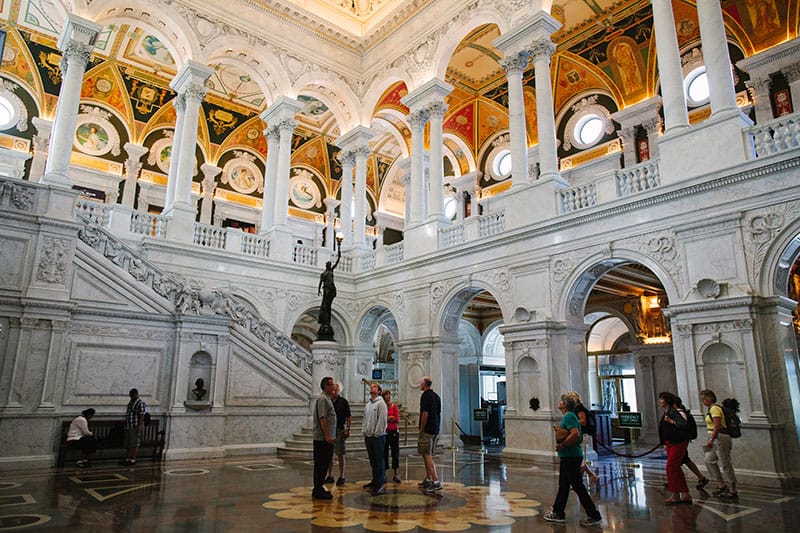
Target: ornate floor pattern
(482, 494)
(404, 507)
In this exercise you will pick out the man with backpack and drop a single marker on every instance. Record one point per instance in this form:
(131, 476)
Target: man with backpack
(718, 447)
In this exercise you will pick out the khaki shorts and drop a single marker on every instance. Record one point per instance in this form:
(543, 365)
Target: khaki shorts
(338, 443)
(426, 443)
(132, 438)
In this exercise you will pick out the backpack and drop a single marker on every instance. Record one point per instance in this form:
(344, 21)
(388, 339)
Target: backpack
(732, 422)
(147, 419)
(591, 421)
(692, 429)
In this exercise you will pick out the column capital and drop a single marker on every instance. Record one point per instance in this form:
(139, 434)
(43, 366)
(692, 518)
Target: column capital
(346, 157)
(542, 49)
(75, 54)
(282, 108)
(78, 31)
(417, 119)
(287, 126)
(190, 79)
(272, 133)
(436, 109)
(516, 62)
(135, 151)
(356, 138)
(433, 90)
(361, 152)
(331, 204)
(638, 113)
(210, 173)
(538, 27)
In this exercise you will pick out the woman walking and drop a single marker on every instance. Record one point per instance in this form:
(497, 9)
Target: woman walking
(569, 472)
(718, 448)
(673, 430)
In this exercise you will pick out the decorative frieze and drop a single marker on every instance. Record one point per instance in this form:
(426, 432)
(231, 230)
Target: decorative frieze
(53, 257)
(759, 231)
(18, 195)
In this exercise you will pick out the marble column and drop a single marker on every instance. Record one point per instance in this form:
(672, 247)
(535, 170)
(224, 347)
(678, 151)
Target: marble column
(546, 122)
(286, 129)
(355, 149)
(669, 67)
(436, 111)
(348, 160)
(76, 42)
(132, 167)
(179, 103)
(716, 57)
(792, 74)
(40, 142)
(416, 121)
(330, 222)
(759, 90)
(653, 129)
(210, 173)
(628, 138)
(359, 217)
(514, 67)
(268, 200)
(189, 82)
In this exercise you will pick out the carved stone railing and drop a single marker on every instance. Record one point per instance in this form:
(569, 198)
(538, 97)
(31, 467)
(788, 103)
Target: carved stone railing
(638, 178)
(305, 255)
(148, 224)
(97, 212)
(368, 262)
(394, 253)
(776, 136)
(188, 300)
(209, 236)
(452, 236)
(577, 198)
(257, 245)
(492, 224)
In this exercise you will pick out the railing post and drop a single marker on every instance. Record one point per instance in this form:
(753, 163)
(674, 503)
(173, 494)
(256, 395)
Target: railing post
(233, 241)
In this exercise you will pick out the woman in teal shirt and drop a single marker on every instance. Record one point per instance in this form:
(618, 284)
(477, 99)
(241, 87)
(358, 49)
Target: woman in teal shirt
(569, 473)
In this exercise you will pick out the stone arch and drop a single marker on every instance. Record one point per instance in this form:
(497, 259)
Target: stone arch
(773, 250)
(265, 70)
(172, 29)
(473, 165)
(446, 319)
(335, 94)
(378, 87)
(375, 315)
(570, 306)
(459, 29)
(339, 322)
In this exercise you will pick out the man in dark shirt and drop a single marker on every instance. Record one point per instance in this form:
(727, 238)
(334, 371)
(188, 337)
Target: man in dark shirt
(134, 423)
(324, 430)
(430, 416)
(343, 418)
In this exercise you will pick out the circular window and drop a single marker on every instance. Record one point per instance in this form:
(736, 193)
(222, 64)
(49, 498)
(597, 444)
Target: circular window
(450, 207)
(9, 114)
(502, 163)
(589, 129)
(696, 87)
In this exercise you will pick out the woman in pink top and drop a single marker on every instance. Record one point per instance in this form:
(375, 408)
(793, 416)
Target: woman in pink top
(392, 435)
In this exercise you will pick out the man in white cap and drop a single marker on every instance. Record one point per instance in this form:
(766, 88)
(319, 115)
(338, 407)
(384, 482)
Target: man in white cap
(430, 416)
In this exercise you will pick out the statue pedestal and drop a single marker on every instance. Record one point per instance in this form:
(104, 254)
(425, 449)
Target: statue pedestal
(326, 361)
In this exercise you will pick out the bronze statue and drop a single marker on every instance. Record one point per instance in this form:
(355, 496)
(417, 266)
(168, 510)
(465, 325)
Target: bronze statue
(328, 290)
(199, 390)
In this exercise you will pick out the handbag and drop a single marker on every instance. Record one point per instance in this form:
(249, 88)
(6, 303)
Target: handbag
(561, 434)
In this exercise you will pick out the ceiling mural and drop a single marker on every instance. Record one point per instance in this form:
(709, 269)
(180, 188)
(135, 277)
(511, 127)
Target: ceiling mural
(604, 47)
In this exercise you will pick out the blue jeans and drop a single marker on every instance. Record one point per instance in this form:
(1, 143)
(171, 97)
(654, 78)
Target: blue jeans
(375, 447)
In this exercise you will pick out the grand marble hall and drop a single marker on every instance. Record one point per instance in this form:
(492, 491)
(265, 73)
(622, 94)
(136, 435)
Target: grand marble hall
(529, 197)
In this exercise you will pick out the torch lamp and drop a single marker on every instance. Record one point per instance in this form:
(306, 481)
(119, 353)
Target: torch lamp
(339, 239)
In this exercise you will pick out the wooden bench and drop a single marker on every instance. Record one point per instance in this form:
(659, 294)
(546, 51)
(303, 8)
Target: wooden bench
(110, 440)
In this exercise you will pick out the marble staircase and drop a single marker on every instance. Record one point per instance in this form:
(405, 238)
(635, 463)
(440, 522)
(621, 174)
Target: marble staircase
(301, 443)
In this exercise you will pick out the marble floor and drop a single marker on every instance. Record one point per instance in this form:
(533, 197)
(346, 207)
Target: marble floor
(483, 492)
